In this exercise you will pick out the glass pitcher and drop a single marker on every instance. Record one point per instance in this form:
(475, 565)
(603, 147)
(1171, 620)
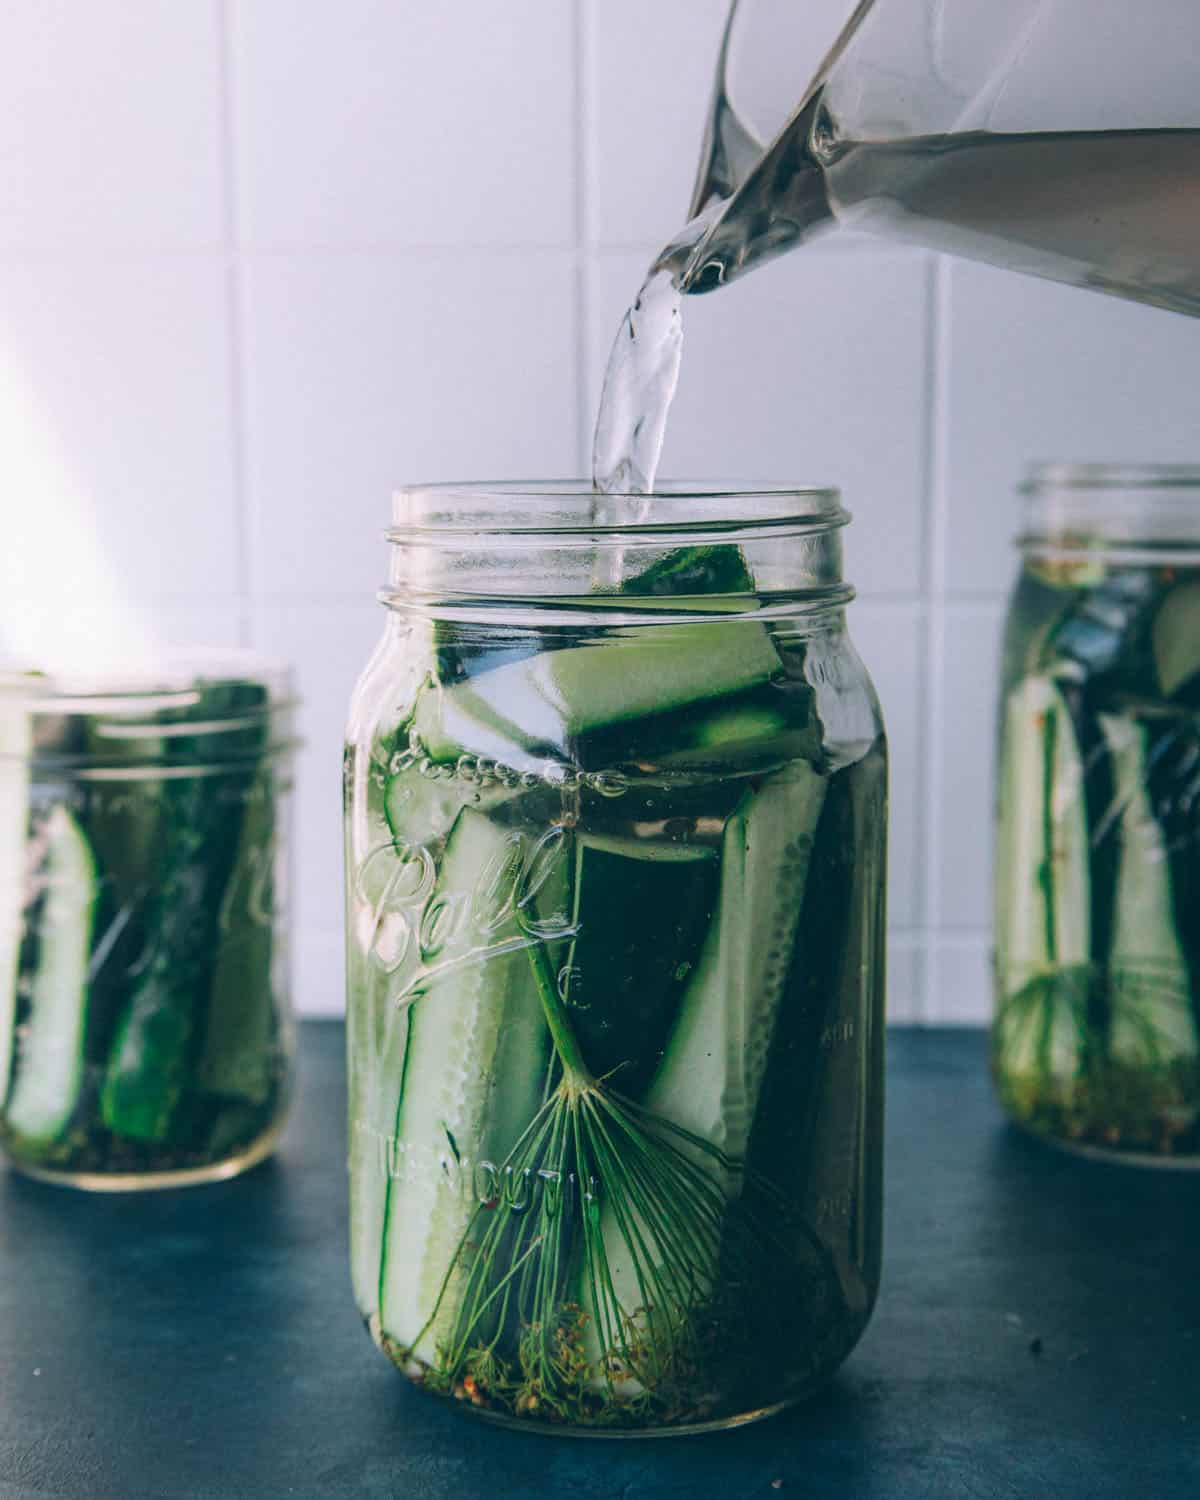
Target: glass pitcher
(1055, 137)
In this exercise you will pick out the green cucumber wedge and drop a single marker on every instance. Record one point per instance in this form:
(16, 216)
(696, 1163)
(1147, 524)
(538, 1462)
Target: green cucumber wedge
(547, 701)
(1043, 931)
(642, 908)
(50, 1061)
(1173, 783)
(714, 1057)
(1150, 1020)
(238, 1055)
(422, 809)
(713, 573)
(1176, 642)
(14, 821)
(713, 1062)
(377, 1042)
(1106, 633)
(477, 1011)
(158, 1034)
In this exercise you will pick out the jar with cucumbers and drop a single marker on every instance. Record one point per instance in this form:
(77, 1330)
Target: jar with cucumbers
(145, 1032)
(615, 831)
(1096, 1035)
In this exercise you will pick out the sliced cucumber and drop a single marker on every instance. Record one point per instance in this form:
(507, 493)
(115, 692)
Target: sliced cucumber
(714, 1058)
(407, 817)
(641, 911)
(50, 1062)
(550, 699)
(1150, 1019)
(710, 571)
(1105, 632)
(14, 821)
(377, 1042)
(1042, 903)
(477, 1009)
(1173, 783)
(238, 1056)
(1176, 636)
(422, 809)
(156, 1039)
(125, 817)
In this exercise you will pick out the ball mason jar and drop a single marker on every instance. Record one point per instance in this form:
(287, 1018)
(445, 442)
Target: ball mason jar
(615, 811)
(145, 1028)
(1096, 1035)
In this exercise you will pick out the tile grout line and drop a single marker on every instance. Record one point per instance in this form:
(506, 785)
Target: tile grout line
(921, 614)
(934, 678)
(581, 55)
(243, 571)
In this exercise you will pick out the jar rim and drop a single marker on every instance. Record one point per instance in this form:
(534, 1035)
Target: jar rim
(1057, 474)
(137, 712)
(1139, 513)
(565, 507)
(169, 681)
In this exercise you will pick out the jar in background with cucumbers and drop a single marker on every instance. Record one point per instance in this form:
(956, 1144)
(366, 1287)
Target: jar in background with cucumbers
(145, 1026)
(615, 843)
(1096, 1036)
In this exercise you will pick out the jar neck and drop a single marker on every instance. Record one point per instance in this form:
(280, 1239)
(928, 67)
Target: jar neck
(1136, 513)
(564, 553)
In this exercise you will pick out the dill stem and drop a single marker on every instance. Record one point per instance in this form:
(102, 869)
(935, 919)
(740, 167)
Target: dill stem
(576, 1074)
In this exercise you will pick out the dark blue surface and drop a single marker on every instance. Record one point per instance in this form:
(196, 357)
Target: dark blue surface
(203, 1344)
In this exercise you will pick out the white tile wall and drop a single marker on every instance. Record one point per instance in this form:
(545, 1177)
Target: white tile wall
(362, 369)
(122, 369)
(371, 123)
(111, 131)
(1036, 370)
(260, 261)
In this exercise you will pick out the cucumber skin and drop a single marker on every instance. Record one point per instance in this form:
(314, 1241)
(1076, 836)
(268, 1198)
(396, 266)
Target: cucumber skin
(1175, 638)
(709, 1089)
(828, 1048)
(1173, 786)
(713, 571)
(633, 954)
(1098, 790)
(1107, 632)
(457, 1026)
(241, 1034)
(157, 1041)
(551, 702)
(712, 1062)
(719, 570)
(1041, 920)
(1148, 1024)
(14, 821)
(68, 911)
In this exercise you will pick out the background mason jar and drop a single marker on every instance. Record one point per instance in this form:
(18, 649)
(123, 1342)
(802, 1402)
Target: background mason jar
(615, 823)
(145, 1021)
(1096, 1036)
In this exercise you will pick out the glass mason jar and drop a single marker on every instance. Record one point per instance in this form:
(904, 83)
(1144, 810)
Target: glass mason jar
(145, 1030)
(1096, 1037)
(616, 804)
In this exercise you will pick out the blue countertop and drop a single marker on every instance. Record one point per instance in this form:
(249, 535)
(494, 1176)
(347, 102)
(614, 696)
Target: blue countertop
(1037, 1336)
